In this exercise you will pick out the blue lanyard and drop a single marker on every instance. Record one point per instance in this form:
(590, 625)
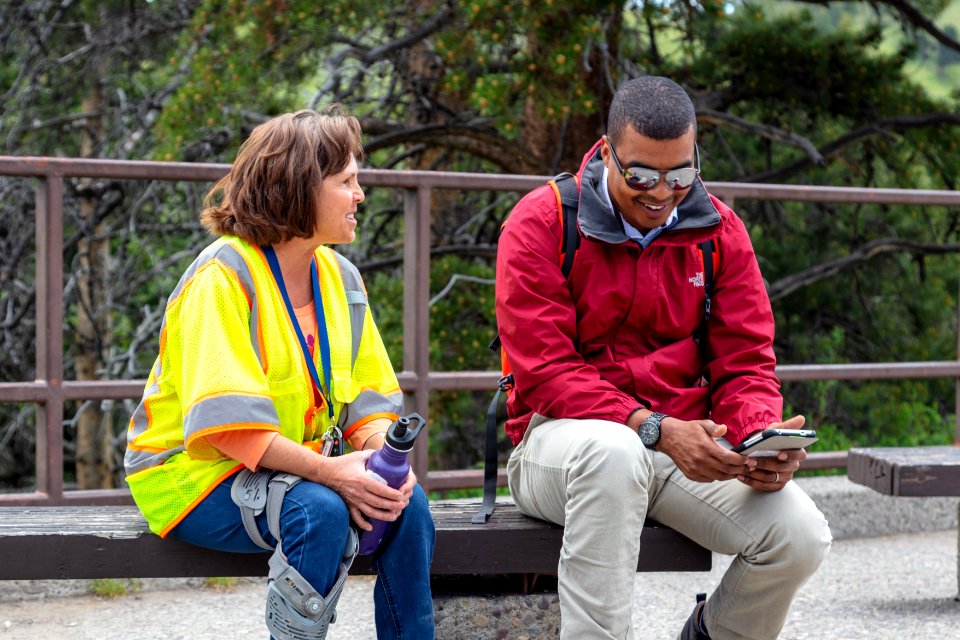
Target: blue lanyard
(321, 326)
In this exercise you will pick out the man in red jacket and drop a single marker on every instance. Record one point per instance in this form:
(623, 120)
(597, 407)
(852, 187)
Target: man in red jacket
(614, 351)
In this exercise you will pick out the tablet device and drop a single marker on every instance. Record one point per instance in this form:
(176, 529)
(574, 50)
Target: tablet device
(771, 441)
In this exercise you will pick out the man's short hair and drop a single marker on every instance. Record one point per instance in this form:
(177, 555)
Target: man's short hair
(272, 192)
(654, 106)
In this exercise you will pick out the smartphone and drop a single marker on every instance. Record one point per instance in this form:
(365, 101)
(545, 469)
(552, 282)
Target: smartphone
(771, 441)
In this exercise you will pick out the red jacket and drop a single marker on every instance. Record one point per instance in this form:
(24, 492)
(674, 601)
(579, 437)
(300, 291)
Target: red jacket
(618, 333)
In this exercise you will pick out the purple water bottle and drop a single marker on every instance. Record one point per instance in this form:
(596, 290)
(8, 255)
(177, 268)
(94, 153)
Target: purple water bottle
(389, 465)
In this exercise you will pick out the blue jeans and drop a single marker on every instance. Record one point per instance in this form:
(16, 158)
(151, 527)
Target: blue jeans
(314, 525)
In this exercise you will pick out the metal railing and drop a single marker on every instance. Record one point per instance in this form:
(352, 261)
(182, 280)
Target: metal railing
(50, 391)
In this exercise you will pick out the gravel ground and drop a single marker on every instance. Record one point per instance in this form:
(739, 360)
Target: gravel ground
(898, 587)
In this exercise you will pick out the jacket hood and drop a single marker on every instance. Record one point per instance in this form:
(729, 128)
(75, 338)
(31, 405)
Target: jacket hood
(597, 220)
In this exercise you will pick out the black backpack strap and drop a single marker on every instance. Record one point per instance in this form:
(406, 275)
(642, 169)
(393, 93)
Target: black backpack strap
(569, 190)
(490, 462)
(570, 204)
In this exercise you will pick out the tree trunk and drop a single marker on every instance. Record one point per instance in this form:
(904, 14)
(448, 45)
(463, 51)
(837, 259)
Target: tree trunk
(560, 145)
(422, 72)
(94, 457)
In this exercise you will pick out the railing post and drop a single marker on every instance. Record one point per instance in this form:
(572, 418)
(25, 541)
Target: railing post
(49, 332)
(956, 381)
(416, 313)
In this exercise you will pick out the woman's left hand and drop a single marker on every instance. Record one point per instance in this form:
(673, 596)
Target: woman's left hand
(407, 487)
(365, 497)
(347, 475)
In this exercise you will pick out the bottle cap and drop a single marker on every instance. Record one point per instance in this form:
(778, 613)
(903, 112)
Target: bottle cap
(401, 433)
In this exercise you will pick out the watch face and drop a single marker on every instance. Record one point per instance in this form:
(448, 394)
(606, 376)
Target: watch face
(649, 432)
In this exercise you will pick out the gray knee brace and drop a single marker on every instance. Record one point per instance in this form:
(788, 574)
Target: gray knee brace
(295, 611)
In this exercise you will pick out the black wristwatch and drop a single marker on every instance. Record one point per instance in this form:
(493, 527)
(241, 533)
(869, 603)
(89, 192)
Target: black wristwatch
(649, 430)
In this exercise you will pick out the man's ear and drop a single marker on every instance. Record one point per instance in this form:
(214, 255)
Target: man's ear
(604, 149)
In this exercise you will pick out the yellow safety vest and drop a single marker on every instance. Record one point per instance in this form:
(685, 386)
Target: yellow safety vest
(230, 359)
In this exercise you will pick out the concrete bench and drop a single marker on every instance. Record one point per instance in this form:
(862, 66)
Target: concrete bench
(909, 471)
(511, 561)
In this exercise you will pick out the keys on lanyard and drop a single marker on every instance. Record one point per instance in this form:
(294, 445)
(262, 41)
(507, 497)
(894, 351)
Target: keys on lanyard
(332, 442)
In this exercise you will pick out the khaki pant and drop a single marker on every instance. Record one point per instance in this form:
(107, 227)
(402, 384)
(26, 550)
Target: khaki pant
(597, 479)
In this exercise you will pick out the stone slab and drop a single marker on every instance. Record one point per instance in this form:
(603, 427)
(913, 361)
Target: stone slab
(856, 511)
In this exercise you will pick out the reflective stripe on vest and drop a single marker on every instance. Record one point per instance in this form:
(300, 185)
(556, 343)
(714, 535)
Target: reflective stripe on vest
(228, 409)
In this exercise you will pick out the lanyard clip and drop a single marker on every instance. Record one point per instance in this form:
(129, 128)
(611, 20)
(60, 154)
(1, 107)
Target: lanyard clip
(332, 442)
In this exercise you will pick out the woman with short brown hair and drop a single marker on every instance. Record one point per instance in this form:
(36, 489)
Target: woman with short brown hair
(269, 359)
(271, 192)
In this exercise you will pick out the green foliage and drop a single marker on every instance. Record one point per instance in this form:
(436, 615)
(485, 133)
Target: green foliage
(385, 291)
(114, 588)
(243, 50)
(784, 66)
(220, 584)
(512, 53)
(495, 57)
(105, 59)
(463, 324)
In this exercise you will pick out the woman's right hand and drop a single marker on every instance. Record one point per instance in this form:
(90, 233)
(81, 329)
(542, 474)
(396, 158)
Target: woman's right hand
(347, 475)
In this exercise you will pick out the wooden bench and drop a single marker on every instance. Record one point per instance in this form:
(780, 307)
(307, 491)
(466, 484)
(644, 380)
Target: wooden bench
(114, 542)
(907, 471)
(911, 472)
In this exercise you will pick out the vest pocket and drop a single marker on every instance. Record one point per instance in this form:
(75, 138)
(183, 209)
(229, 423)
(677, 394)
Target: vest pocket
(288, 399)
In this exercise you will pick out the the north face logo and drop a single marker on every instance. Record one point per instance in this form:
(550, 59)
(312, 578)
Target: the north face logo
(696, 280)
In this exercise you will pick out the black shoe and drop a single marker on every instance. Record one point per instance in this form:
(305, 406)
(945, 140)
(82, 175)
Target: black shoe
(691, 630)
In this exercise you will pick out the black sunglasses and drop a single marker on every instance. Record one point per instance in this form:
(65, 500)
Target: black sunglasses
(644, 179)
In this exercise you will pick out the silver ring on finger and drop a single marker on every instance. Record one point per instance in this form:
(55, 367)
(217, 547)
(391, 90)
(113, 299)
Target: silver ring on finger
(778, 477)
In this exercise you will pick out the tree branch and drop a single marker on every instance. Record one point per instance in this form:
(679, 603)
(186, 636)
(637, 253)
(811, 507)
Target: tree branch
(481, 142)
(912, 15)
(368, 56)
(71, 117)
(763, 130)
(833, 149)
(785, 286)
(427, 28)
(458, 277)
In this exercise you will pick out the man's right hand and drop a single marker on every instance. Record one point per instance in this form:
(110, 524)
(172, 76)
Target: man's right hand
(691, 446)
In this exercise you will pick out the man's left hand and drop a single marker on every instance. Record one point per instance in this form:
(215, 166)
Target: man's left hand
(772, 473)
